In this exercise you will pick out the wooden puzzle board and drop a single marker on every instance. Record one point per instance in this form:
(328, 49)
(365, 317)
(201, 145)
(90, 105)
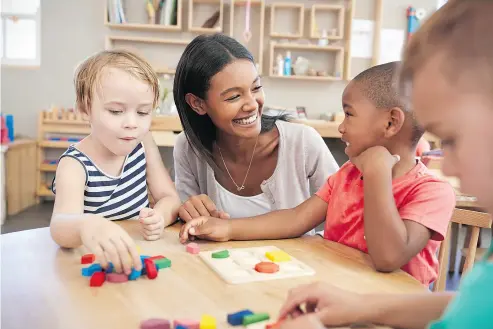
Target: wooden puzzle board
(239, 267)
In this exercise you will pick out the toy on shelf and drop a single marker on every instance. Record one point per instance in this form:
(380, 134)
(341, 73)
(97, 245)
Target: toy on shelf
(4, 132)
(413, 18)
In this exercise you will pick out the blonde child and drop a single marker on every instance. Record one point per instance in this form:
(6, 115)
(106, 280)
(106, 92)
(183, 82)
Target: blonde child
(447, 73)
(106, 176)
(383, 201)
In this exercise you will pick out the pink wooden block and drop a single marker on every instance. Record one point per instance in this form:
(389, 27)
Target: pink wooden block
(116, 277)
(155, 324)
(193, 248)
(189, 324)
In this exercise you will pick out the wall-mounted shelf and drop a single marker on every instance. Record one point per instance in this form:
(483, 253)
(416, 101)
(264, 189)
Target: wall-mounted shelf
(291, 6)
(338, 65)
(198, 29)
(261, 4)
(338, 30)
(146, 27)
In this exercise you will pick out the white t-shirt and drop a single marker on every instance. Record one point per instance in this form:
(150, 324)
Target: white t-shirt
(238, 206)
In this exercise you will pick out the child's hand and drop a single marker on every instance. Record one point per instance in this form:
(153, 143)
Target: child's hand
(152, 224)
(208, 228)
(375, 158)
(333, 306)
(200, 205)
(306, 322)
(110, 243)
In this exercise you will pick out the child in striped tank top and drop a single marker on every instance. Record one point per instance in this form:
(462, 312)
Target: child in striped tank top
(106, 177)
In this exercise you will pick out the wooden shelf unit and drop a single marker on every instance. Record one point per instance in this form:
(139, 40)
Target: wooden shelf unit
(339, 35)
(198, 29)
(260, 3)
(56, 121)
(308, 47)
(301, 19)
(146, 27)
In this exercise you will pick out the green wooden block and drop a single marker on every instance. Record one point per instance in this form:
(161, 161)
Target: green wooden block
(254, 318)
(220, 254)
(162, 263)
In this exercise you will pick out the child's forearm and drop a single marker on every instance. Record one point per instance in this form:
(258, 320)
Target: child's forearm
(66, 229)
(279, 224)
(168, 208)
(413, 311)
(385, 232)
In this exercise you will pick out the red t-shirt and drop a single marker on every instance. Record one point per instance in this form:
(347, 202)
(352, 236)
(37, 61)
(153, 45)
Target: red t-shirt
(419, 196)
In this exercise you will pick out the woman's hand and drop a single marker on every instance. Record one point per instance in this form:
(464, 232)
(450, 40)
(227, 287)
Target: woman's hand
(200, 205)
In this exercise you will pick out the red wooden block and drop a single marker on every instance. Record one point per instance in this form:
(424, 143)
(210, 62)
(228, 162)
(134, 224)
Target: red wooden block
(156, 257)
(193, 248)
(155, 324)
(116, 277)
(97, 279)
(87, 259)
(151, 268)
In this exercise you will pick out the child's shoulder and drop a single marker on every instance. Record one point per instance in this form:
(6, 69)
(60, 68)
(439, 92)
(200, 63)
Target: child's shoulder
(421, 180)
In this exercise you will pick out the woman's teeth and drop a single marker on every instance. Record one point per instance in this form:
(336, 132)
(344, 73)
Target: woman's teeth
(246, 121)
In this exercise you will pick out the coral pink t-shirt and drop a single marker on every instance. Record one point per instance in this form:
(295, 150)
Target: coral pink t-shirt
(419, 196)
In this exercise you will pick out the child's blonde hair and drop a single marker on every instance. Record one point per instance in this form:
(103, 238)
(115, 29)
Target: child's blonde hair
(460, 32)
(88, 74)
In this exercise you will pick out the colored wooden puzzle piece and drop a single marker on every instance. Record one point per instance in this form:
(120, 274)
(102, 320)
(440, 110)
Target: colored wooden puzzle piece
(236, 319)
(154, 258)
(162, 263)
(220, 254)
(90, 270)
(116, 277)
(207, 322)
(193, 248)
(87, 259)
(135, 274)
(97, 279)
(155, 324)
(151, 269)
(254, 318)
(278, 256)
(110, 268)
(138, 249)
(189, 324)
(267, 267)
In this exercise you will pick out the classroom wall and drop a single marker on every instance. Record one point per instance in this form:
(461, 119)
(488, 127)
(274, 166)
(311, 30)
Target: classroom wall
(74, 29)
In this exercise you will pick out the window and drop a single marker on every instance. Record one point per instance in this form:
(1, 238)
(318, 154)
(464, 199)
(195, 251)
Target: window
(20, 32)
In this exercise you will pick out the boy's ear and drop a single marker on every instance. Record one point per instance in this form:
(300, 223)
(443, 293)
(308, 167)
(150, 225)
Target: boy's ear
(396, 118)
(196, 103)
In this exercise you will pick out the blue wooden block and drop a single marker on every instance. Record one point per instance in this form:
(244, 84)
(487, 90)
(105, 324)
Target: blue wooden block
(180, 327)
(55, 139)
(135, 274)
(142, 257)
(90, 270)
(236, 319)
(110, 268)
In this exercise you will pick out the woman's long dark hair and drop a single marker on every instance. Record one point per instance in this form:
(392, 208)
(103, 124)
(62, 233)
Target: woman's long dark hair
(204, 57)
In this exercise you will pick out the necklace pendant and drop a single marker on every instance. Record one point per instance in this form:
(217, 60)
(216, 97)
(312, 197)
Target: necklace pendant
(240, 188)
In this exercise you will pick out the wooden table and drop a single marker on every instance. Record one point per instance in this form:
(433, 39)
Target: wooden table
(42, 285)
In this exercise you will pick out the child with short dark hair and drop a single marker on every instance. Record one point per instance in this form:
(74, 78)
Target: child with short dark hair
(383, 201)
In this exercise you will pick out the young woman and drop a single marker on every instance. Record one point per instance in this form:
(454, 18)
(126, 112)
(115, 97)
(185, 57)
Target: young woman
(232, 160)
(448, 77)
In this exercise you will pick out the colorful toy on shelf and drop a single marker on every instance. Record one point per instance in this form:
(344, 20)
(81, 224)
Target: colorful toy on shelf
(413, 18)
(4, 138)
(9, 121)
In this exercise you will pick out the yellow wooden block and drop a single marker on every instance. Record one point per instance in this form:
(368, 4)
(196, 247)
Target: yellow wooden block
(278, 256)
(207, 322)
(138, 249)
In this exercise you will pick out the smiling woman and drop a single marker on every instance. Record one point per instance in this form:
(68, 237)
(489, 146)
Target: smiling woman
(232, 160)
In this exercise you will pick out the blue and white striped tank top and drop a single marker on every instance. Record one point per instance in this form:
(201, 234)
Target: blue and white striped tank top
(115, 198)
